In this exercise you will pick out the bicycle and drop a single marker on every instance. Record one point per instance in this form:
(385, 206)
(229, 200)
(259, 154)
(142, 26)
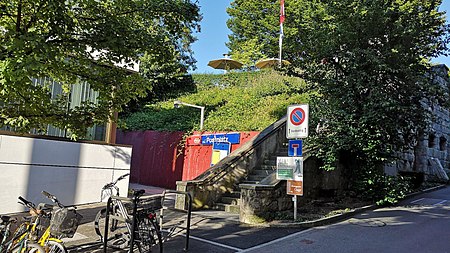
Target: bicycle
(62, 222)
(20, 241)
(108, 190)
(126, 222)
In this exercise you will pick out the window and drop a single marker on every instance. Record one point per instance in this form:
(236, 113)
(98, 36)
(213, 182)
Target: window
(431, 141)
(442, 143)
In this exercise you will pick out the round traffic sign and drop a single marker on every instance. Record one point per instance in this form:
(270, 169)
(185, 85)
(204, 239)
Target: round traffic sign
(297, 116)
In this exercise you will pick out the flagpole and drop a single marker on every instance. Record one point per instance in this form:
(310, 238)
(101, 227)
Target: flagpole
(282, 17)
(280, 43)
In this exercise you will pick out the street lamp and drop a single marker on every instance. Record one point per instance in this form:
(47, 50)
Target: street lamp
(177, 104)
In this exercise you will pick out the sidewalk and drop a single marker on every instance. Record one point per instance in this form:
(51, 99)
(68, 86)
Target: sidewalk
(86, 239)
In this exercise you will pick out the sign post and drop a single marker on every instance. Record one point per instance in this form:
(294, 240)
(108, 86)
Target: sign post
(296, 128)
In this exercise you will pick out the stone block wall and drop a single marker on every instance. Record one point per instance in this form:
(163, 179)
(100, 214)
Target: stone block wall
(431, 155)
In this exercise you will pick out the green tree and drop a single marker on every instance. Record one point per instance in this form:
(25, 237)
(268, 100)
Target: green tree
(369, 60)
(83, 41)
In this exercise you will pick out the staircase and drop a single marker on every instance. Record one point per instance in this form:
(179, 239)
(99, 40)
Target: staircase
(254, 162)
(230, 201)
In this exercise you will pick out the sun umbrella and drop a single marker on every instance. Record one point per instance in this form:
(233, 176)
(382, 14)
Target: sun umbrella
(272, 62)
(225, 64)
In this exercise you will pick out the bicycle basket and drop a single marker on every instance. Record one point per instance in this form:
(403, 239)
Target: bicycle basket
(152, 203)
(147, 203)
(64, 222)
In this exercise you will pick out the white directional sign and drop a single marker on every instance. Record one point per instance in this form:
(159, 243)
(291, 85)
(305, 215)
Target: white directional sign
(290, 168)
(297, 122)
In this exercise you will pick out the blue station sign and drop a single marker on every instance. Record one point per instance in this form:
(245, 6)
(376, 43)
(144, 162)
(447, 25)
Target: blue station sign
(231, 138)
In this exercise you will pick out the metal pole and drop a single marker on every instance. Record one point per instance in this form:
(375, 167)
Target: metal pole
(280, 42)
(105, 237)
(295, 207)
(202, 116)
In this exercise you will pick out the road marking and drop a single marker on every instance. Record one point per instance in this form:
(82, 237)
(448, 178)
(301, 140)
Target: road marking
(277, 240)
(441, 202)
(417, 200)
(213, 243)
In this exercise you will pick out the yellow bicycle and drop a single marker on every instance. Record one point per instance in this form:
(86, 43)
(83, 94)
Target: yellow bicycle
(38, 229)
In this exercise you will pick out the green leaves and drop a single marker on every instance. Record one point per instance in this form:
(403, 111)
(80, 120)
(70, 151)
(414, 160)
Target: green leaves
(368, 60)
(248, 101)
(82, 41)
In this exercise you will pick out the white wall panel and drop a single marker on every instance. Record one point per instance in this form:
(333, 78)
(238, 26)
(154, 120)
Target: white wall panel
(74, 172)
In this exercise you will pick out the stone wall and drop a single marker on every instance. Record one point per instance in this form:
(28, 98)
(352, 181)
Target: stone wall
(431, 155)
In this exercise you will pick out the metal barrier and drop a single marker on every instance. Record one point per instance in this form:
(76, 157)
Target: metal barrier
(188, 216)
(137, 201)
(144, 202)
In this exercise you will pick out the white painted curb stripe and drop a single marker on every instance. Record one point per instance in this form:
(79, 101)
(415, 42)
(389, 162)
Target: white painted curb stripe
(277, 240)
(417, 200)
(213, 243)
(441, 202)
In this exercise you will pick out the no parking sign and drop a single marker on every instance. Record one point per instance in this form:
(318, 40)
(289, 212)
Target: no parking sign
(297, 122)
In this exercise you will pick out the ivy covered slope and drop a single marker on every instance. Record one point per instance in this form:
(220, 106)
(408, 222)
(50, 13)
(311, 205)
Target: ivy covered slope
(248, 101)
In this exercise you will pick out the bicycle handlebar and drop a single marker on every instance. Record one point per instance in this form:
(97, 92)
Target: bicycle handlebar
(113, 183)
(27, 203)
(122, 177)
(52, 198)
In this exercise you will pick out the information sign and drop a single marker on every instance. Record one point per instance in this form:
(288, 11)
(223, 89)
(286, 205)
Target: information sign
(295, 187)
(290, 168)
(219, 151)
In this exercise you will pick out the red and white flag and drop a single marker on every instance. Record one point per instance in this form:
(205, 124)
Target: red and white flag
(282, 15)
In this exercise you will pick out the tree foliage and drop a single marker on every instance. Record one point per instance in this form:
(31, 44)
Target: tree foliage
(81, 41)
(368, 59)
(247, 101)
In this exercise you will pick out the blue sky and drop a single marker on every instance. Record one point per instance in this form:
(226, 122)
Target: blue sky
(214, 34)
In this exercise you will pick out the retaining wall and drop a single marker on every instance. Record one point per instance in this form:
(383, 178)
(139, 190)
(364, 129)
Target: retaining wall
(75, 172)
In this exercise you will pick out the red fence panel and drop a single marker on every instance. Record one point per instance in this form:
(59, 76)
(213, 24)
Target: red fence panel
(158, 160)
(197, 157)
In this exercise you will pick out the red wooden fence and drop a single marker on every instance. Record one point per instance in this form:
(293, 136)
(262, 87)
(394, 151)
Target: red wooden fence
(158, 159)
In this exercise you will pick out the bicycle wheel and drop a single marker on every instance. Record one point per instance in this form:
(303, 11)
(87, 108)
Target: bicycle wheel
(52, 246)
(149, 235)
(118, 233)
(29, 248)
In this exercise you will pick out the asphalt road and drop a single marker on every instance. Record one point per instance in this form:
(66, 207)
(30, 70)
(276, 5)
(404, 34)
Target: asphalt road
(418, 224)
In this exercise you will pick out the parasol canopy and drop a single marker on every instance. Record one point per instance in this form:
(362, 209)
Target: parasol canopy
(269, 63)
(225, 64)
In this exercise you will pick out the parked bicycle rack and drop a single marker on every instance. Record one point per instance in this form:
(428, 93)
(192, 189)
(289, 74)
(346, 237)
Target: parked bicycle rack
(136, 201)
(188, 215)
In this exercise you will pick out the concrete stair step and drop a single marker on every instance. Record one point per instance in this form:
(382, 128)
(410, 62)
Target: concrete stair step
(272, 162)
(268, 167)
(231, 200)
(235, 194)
(256, 177)
(247, 181)
(262, 172)
(227, 208)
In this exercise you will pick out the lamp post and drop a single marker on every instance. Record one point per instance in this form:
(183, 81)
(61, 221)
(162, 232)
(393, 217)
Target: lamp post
(177, 104)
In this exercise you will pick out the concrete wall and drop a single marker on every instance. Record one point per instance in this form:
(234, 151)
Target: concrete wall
(74, 172)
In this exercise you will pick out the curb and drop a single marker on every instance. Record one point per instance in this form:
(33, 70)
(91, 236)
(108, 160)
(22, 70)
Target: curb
(337, 217)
